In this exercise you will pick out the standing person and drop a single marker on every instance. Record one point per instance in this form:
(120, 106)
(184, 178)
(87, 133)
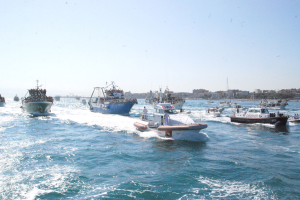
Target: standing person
(145, 115)
(167, 117)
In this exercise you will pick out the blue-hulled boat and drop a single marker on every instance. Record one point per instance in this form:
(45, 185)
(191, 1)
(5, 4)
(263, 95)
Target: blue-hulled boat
(110, 100)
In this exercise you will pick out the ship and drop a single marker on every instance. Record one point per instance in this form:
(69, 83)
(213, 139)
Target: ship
(36, 102)
(166, 97)
(57, 98)
(168, 123)
(2, 101)
(259, 115)
(16, 98)
(110, 100)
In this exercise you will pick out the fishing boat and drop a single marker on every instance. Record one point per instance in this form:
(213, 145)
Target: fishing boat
(110, 100)
(259, 115)
(176, 125)
(2, 101)
(16, 98)
(215, 111)
(166, 97)
(57, 98)
(36, 102)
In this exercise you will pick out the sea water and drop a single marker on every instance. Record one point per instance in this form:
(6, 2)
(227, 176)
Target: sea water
(77, 154)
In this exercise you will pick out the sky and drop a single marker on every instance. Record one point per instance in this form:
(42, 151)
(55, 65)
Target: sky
(73, 46)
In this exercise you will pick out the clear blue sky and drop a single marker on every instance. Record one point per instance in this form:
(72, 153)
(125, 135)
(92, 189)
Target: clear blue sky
(73, 46)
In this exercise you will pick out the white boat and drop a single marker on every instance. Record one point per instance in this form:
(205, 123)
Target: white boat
(274, 104)
(294, 118)
(179, 125)
(225, 104)
(238, 107)
(215, 111)
(166, 97)
(210, 101)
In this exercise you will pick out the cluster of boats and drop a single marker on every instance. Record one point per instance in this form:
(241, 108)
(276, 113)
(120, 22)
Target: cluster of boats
(166, 120)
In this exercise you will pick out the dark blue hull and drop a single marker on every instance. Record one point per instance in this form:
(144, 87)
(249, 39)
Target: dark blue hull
(114, 108)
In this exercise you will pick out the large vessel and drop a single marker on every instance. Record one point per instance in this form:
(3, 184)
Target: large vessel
(36, 101)
(259, 115)
(16, 98)
(2, 101)
(177, 126)
(110, 100)
(166, 97)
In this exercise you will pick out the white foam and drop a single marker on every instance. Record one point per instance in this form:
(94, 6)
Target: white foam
(220, 189)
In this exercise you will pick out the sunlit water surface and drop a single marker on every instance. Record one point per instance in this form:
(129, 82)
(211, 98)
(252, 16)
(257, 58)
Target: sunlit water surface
(77, 154)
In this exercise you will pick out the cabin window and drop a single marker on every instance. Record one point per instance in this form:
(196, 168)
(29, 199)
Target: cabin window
(171, 111)
(251, 110)
(257, 111)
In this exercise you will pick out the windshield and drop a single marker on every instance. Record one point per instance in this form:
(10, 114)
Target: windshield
(171, 111)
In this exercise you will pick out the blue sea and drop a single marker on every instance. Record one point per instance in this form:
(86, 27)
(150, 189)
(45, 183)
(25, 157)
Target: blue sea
(77, 154)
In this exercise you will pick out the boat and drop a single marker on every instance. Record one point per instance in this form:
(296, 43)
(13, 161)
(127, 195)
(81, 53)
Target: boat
(166, 97)
(177, 126)
(259, 115)
(57, 98)
(16, 98)
(237, 107)
(210, 101)
(77, 98)
(83, 101)
(294, 118)
(2, 101)
(110, 100)
(215, 111)
(273, 104)
(225, 104)
(36, 102)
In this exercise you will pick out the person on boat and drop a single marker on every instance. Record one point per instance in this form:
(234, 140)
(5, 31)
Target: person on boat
(167, 117)
(180, 110)
(145, 111)
(297, 116)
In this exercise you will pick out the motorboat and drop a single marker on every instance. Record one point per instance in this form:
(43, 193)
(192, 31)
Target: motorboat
(225, 104)
(210, 101)
(110, 100)
(215, 111)
(237, 107)
(16, 98)
(274, 104)
(294, 118)
(37, 102)
(259, 115)
(174, 127)
(2, 101)
(166, 97)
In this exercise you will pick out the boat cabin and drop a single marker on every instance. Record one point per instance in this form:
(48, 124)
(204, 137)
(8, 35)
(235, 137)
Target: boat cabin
(174, 117)
(254, 113)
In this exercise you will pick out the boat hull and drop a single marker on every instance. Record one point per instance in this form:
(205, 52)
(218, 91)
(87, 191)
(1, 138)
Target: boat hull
(40, 108)
(113, 108)
(173, 132)
(267, 120)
